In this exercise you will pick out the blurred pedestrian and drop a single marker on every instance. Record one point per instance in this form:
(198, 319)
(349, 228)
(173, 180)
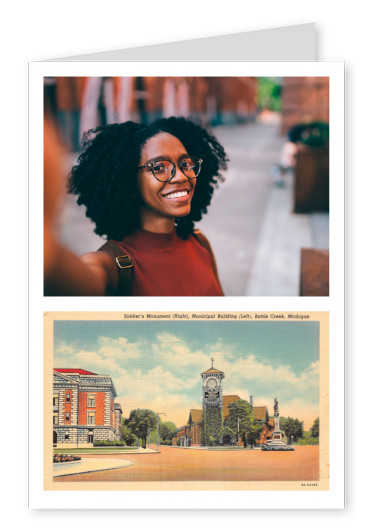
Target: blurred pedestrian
(287, 161)
(68, 100)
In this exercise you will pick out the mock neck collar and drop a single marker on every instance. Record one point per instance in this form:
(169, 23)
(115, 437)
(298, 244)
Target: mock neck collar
(153, 241)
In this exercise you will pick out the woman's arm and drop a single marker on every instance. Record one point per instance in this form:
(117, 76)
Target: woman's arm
(67, 274)
(64, 272)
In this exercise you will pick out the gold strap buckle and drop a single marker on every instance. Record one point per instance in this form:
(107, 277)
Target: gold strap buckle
(124, 266)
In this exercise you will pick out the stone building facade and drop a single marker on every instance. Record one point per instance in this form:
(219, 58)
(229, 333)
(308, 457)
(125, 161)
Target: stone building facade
(118, 414)
(83, 409)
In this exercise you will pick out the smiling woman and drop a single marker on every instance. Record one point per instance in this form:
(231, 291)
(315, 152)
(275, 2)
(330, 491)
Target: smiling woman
(144, 187)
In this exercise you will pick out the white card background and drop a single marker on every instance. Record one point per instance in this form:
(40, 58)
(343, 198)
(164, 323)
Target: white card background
(36, 33)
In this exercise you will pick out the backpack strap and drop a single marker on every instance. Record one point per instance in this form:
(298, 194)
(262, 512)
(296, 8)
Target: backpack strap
(204, 242)
(125, 267)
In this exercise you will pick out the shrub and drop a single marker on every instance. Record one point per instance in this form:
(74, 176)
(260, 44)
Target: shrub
(109, 443)
(311, 134)
(311, 441)
(62, 458)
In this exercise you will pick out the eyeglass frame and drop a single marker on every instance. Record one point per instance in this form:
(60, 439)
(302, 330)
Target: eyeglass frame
(173, 171)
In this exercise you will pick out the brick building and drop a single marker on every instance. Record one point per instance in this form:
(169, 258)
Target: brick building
(81, 103)
(304, 100)
(84, 410)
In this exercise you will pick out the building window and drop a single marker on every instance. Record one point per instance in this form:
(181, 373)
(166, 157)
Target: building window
(55, 419)
(90, 400)
(91, 417)
(55, 400)
(67, 435)
(67, 397)
(67, 415)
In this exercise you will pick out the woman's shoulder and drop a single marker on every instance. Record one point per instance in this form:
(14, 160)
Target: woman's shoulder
(202, 239)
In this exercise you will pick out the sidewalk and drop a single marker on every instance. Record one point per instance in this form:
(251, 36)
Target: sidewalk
(103, 450)
(88, 464)
(276, 265)
(256, 237)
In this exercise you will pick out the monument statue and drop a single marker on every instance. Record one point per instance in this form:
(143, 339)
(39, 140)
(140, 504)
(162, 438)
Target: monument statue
(276, 442)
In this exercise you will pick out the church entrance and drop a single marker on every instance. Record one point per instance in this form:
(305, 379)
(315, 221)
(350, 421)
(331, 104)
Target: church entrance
(227, 440)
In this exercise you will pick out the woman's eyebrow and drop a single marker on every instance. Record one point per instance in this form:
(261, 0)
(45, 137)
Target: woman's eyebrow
(166, 157)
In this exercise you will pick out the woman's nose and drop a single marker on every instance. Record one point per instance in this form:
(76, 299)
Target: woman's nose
(178, 175)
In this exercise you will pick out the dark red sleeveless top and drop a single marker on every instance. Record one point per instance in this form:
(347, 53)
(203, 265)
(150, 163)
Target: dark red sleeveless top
(166, 265)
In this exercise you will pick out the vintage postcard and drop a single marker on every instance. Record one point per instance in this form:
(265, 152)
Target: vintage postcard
(198, 401)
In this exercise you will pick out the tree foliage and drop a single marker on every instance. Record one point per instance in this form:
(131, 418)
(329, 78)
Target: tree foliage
(242, 410)
(141, 421)
(269, 93)
(292, 427)
(127, 436)
(315, 430)
(255, 432)
(166, 431)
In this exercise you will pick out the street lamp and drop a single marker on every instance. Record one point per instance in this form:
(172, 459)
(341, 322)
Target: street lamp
(158, 428)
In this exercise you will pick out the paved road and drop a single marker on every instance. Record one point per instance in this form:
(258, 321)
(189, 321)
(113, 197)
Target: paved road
(178, 464)
(88, 465)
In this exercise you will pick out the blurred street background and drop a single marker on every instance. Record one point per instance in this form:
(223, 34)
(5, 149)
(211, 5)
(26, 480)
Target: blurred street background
(269, 220)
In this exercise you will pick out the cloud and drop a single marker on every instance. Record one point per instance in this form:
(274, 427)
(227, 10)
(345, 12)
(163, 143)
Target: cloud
(119, 348)
(174, 351)
(64, 348)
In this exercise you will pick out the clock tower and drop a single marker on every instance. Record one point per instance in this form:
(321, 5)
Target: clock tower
(212, 388)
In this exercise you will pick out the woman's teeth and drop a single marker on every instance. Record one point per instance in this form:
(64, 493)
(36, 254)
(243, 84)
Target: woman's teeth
(176, 194)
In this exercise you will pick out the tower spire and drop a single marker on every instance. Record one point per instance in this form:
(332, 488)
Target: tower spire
(212, 360)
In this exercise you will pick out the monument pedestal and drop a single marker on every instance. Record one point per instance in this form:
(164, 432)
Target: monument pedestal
(276, 442)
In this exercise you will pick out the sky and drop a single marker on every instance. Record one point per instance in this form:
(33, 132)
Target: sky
(158, 364)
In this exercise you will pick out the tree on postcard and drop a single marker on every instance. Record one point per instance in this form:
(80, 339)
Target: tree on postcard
(141, 422)
(241, 418)
(315, 430)
(292, 427)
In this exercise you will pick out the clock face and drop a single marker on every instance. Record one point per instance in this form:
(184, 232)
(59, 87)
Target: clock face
(211, 383)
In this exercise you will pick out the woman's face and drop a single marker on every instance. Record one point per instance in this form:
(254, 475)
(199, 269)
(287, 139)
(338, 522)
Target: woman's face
(164, 201)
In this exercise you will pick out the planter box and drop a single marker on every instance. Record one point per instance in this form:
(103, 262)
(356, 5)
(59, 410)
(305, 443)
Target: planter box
(314, 273)
(311, 186)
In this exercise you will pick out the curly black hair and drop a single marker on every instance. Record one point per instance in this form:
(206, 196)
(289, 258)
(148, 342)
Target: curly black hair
(105, 176)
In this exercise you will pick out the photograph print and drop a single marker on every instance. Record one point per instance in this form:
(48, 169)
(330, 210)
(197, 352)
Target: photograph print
(186, 186)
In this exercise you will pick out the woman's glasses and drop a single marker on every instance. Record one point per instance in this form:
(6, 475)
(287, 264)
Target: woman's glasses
(165, 170)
